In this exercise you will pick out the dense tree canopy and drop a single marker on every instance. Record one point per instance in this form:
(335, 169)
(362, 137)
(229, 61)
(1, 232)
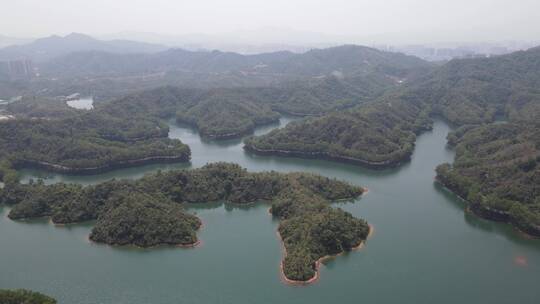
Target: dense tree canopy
(87, 143)
(378, 134)
(145, 220)
(496, 170)
(22, 296)
(465, 91)
(233, 112)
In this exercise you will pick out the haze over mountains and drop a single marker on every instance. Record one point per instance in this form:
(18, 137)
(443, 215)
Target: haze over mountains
(258, 41)
(108, 69)
(9, 41)
(262, 40)
(44, 49)
(347, 59)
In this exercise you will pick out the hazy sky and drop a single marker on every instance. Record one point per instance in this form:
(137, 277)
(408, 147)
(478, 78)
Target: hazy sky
(427, 20)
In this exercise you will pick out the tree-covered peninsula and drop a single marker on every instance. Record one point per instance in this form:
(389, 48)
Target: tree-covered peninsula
(21, 296)
(87, 143)
(497, 171)
(149, 211)
(380, 134)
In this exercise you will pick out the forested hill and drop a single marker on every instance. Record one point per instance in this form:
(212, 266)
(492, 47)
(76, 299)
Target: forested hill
(44, 49)
(312, 83)
(497, 165)
(469, 91)
(49, 134)
(107, 75)
(466, 91)
(379, 134)
(347, 60)
(497, 170)
(232, 112)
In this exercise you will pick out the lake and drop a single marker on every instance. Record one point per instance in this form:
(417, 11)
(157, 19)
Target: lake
(86, 103)
(425, 248)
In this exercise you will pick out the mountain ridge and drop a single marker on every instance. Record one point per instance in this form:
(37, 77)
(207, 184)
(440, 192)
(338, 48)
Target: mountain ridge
(44, 49)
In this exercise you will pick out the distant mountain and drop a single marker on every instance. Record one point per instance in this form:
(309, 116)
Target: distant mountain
(474, 91)
(262, 40)
(51, 47)
(343, 61)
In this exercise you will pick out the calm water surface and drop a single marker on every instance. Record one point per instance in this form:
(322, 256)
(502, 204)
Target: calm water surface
(85, 103)
(425, 249)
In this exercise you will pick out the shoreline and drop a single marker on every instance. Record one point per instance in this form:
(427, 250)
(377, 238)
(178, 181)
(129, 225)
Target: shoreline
(197, 244)
(226, 136)
(490, 215)
(329, 157)
(366, 191)
(318, 263)
(56, 168)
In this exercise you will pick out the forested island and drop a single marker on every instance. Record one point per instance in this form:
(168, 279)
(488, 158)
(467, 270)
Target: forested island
(149, 211)
(22, 296)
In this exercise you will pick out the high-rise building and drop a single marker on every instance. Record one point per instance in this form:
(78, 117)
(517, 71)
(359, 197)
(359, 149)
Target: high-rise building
(16, 69)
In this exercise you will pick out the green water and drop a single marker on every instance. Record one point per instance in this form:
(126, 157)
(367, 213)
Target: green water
(425, 249)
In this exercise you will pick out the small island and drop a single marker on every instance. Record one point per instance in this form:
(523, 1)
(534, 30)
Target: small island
(149, 212)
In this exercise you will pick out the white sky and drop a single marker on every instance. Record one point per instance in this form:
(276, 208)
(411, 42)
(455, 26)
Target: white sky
(428, 20)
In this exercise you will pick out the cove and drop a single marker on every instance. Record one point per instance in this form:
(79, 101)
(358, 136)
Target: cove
(425, 247)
